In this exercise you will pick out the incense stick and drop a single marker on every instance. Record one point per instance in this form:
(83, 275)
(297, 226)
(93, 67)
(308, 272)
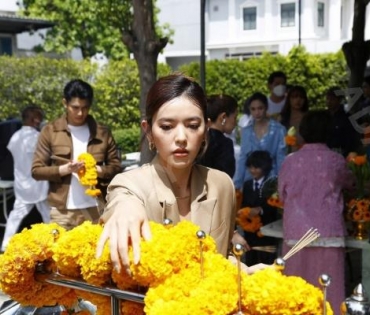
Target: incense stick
(58, 158)
(305, 240)
(267, 249)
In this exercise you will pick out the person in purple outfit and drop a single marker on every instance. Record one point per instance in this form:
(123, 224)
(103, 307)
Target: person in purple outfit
(311, 182)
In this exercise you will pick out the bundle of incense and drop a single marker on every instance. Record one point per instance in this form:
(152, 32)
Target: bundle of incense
(305, 240)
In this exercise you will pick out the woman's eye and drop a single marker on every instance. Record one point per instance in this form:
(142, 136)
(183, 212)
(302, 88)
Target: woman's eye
(194, 126)
(165, 127)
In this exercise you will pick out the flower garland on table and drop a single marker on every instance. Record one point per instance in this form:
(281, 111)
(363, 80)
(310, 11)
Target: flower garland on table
(171, 267)
(247, 223)
(88, 175)
(18, 265)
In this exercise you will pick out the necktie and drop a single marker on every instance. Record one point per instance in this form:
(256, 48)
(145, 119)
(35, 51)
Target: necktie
(256, 186)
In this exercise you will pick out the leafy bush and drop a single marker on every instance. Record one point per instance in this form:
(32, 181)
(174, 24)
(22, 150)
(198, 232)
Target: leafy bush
(128, 140)
(40, 81)
(240, 79)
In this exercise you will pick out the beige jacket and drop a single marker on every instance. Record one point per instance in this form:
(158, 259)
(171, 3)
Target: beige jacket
(212, 199)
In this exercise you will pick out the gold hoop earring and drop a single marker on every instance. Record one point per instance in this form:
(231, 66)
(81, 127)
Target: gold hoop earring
(152, 146)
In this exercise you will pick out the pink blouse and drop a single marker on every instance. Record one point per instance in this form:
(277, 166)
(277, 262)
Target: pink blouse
(311, 181)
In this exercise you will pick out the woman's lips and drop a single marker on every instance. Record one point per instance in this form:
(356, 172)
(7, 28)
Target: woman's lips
(181, 153)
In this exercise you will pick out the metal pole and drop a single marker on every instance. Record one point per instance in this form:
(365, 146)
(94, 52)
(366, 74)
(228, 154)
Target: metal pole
(202, 45)
(299, 21)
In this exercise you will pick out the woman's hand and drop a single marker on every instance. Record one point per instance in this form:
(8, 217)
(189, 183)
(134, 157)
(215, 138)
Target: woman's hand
(127, 224)
(239, 239)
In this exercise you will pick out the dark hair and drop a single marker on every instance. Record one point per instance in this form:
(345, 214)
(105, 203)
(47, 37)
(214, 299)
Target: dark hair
(80, 89)
(258, 96)
(335, 91)
(315, 126)
(170, 87)
(246, 104)
(274, 75)
(367, 79)
(30, 111)
(218, 104)
(260, 159)
(287, 110)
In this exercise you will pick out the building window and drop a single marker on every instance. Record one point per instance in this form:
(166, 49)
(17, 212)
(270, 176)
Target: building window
(250, 18)
(287, 14)
(320, 14)
(6, 46)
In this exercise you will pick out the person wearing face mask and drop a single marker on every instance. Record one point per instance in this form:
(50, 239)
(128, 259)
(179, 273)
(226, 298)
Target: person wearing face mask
(222, 112)
(277, 86)
(28, 192)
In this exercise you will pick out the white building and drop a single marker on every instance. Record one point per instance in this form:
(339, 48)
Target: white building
(244, 28)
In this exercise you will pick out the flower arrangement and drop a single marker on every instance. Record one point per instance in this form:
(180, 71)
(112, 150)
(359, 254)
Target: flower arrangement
(248, 223)
(358, 210)
(291, 137)
(88, 175)
(359, 166)
(274, 201)
(178, 280)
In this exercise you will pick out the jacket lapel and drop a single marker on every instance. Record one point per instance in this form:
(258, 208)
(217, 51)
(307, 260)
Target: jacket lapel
(201, 207)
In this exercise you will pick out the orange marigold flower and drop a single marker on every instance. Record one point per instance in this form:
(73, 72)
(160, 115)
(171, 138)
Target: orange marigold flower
(290, 140)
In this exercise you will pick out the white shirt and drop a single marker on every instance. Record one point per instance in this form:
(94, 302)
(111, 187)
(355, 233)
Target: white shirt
(275, 108)
(77, 198)
(22, 146)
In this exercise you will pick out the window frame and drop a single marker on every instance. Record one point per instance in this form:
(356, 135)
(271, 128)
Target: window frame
(291, 21)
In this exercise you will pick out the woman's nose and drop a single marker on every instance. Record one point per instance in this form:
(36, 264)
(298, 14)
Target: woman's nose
(180, 134)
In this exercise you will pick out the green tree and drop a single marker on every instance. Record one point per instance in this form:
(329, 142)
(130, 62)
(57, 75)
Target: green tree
(95, 25)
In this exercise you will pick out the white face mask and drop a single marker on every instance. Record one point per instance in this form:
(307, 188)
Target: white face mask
(279, 90)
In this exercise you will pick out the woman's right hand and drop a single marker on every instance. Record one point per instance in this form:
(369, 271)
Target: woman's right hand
(122, 228)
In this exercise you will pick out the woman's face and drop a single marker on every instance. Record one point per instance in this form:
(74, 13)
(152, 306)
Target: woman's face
(230, 122)
(296, 101)
(258, 110)
(178, 130)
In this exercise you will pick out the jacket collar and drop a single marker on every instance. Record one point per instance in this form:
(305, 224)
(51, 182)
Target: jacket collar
(201, 207)
(61, 124)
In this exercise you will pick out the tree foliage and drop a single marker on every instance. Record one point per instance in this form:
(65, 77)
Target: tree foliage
(92, 25)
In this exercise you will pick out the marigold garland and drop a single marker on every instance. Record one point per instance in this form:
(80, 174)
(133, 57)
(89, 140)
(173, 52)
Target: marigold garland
(18, 264)
(88, 175)
(170, 265)
(247, 223)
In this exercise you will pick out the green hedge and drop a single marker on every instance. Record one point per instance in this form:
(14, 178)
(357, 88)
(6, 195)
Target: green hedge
(240, 79)
(40, 81)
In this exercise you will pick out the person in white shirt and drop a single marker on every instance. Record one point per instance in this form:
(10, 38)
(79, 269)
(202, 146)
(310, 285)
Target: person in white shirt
(277, 86)
(28, 192)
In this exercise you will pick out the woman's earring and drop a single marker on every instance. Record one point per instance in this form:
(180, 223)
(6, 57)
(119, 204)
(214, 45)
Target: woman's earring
(151, 146)
(223, 122)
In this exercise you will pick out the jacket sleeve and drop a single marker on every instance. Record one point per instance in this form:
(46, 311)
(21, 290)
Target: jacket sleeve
(112, 163)
(41, 166)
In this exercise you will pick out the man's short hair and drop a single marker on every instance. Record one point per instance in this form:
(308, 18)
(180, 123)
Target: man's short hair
(79, 89)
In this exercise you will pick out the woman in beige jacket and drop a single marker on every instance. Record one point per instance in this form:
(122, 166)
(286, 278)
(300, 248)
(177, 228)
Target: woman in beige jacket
(172, 186)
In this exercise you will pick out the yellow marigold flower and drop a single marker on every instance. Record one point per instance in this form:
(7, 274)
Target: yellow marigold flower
(74, 254)
(88, 175)
(270, 292)
(188, 293)
(132, 308)
(18, 265)
(102, 302)
(168, 252)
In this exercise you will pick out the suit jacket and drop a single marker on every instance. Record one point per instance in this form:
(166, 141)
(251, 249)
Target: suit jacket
(212, 199)
(252, 198)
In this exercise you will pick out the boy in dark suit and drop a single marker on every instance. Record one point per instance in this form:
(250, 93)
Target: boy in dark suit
(256, 191)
